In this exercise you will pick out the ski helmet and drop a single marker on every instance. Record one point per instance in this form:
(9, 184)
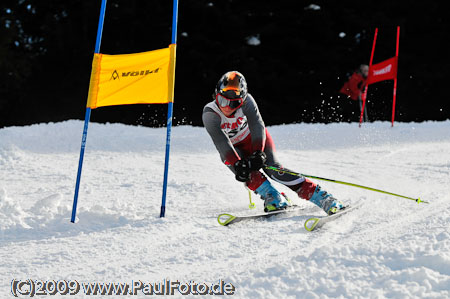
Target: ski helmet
(232, 86)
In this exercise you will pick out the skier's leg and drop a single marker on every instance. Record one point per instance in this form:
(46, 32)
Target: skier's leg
(258, 183)
(304, 187)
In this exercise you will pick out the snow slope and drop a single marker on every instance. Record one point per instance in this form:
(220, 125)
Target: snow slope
(389, 248)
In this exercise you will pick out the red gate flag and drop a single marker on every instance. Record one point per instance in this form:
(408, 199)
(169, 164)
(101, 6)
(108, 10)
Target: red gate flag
(386, 70)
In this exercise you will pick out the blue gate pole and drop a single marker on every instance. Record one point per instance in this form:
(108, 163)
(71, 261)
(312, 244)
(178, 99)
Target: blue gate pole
(169, 115)
(88, 115)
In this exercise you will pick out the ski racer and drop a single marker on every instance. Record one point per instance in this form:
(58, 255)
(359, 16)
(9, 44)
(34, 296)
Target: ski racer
(237, 130)
(354, 87)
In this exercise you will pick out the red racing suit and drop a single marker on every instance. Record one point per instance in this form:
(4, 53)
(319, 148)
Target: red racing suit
(354, 86)
(236, 137)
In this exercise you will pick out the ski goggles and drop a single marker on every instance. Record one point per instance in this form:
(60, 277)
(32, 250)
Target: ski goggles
(232, 103)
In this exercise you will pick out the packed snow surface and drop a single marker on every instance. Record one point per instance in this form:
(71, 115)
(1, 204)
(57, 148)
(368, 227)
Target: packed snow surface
(390, 247)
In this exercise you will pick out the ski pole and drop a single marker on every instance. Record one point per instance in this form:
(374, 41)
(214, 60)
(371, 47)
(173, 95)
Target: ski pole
(418, 200)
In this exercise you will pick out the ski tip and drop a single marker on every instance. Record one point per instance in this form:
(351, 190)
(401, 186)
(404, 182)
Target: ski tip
(310, 224)
(225, 219)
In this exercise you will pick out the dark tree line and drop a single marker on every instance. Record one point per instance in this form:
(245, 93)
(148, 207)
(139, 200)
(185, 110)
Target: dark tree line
(294, 54)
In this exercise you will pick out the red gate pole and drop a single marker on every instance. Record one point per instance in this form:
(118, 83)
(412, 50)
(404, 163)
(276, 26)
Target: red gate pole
(395, 79)
(364, 96)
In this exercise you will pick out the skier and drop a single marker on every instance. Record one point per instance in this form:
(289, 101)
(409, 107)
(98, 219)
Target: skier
(237, 129)
(355, 85)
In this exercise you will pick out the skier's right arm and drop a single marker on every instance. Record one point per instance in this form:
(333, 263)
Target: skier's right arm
(212, 122)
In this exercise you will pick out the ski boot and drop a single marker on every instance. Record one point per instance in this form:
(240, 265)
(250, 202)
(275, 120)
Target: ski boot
(273, 200)
(326, 201)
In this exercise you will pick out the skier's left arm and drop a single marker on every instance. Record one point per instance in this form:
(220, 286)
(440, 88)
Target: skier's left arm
(255, 123)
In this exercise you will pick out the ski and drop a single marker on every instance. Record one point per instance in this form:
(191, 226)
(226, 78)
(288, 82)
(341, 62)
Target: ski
(226, 219)
(317, 222)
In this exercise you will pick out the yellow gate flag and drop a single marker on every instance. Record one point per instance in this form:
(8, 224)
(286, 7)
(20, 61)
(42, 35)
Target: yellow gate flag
(140, 78)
